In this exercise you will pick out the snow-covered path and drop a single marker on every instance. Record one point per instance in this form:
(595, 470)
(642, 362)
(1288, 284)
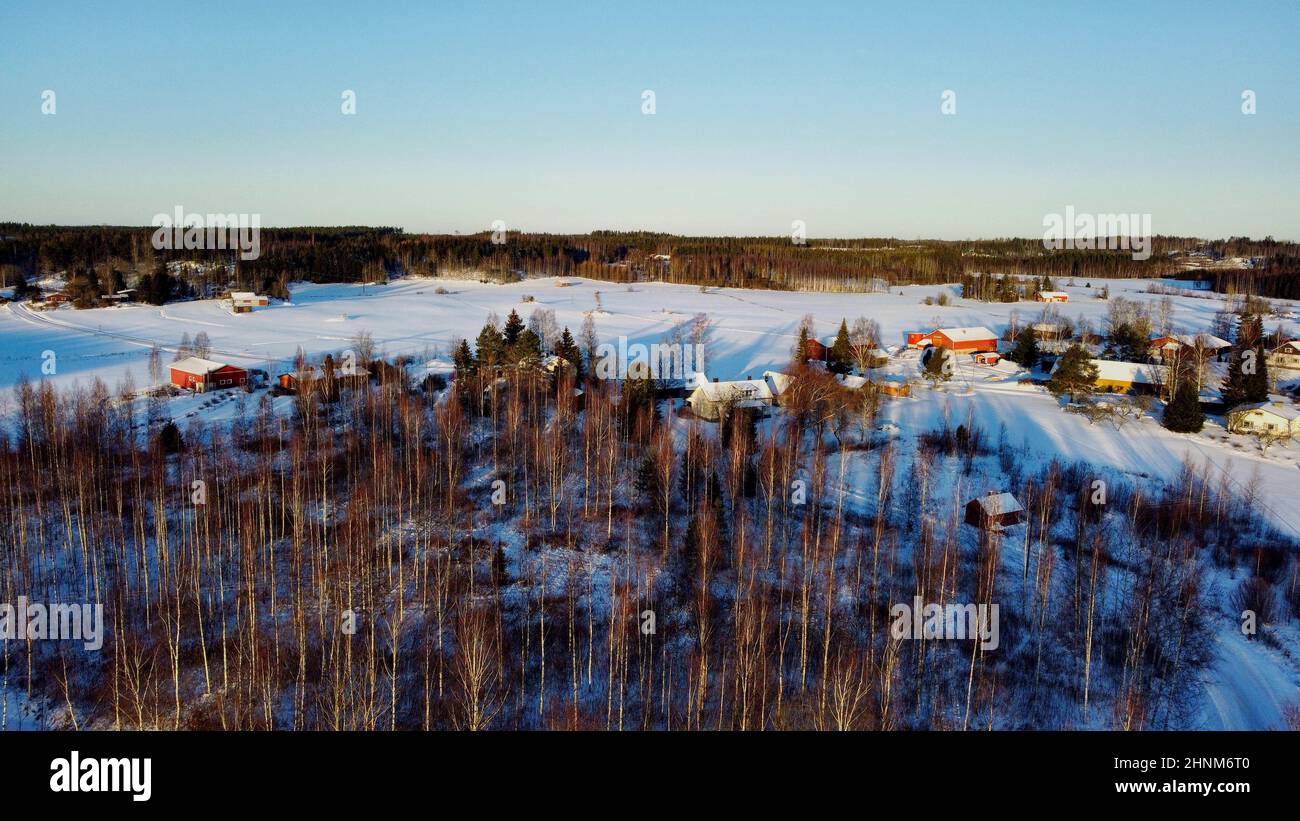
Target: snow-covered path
(1247, 687)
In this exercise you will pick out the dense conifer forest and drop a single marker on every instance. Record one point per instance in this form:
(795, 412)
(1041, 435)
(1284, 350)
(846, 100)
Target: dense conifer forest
(108, 256)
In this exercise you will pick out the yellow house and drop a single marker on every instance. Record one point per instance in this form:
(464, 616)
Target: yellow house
(1126, 377)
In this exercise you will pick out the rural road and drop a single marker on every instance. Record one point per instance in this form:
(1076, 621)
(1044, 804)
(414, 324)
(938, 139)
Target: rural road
(1247, 687)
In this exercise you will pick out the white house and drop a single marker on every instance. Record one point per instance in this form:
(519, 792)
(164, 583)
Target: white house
(711, 399)
(1265, 418)
(777, 382)
(1286, 355)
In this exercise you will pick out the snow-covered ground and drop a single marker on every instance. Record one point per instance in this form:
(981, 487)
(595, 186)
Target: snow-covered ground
(751, 331)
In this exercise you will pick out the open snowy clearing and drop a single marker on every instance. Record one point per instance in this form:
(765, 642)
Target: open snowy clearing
(753, 330)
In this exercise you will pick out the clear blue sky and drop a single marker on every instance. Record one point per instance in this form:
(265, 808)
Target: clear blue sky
(766, 113)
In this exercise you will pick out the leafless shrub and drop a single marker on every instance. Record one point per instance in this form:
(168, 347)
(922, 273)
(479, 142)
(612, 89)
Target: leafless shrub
(1258, 596)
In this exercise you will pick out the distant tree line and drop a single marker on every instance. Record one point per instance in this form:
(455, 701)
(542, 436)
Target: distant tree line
(364, 254)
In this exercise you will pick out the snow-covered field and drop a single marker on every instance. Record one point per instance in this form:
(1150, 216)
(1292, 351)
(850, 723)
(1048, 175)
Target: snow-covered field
(752, 331)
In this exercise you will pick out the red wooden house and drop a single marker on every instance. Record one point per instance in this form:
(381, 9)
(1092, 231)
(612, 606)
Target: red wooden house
(202, 375)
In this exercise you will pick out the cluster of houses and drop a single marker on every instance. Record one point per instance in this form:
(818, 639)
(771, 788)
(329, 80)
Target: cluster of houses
(241, 302)
(200, 375)
(818, 351)
(117, 298)
(710, 400)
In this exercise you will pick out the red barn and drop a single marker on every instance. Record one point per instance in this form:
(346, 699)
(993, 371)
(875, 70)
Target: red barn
(965, 339)
(204, 375)
(815, 351)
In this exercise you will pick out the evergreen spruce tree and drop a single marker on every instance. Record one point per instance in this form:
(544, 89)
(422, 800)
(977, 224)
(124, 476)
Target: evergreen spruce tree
(1026, 353)
(801, 347)
(1183, 414)
(647, 481)
(463, 358)
(491, 347)
(1247, 379)
(527, 348)
(500, 568)
(567, 349)
(514, 327)
(1256, 376)
(24, 290)
(937, 364)
(1074, 374)
(840, 357)
(1126, 343)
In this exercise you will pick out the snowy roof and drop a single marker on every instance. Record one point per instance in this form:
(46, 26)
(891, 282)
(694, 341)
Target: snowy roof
(1135, 372)
(1208, 341)
(739, 389)
(1053, 294)
(777, 381)
(197, 366)
(967, 334)
(995, 504)
(850, 381)
(1293, 344)
(695, 380)
(1288, 412)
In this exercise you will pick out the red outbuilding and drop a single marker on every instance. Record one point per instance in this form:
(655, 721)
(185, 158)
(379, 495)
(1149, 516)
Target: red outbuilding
(815, 351)
(202, 375)
(965, 339)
